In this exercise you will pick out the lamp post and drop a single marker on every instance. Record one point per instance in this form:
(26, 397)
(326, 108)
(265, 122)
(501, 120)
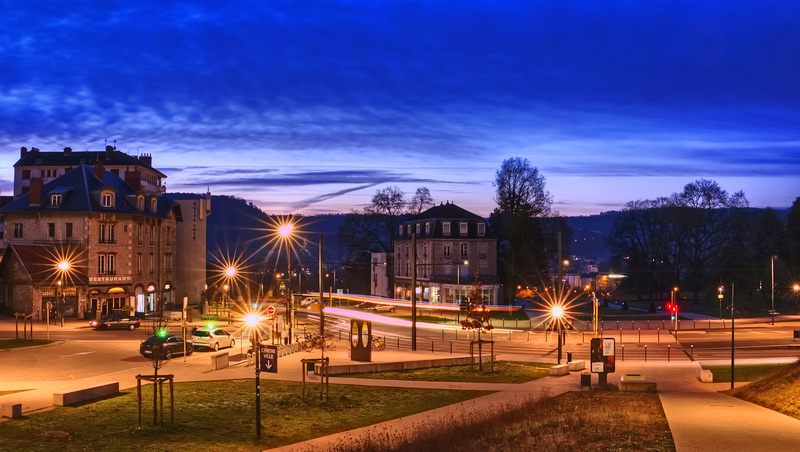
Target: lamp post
(558, 313)
(772, 287)
(796, 289)
(672, 303)
(252, 321)
(458, 281)
(63, 268)
(230, 273)
(285, 231)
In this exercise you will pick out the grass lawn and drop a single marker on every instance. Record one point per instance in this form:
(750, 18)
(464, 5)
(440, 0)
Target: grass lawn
(748, 372)
(777, 391)
(504, 372)
(17, 343)
(220, 416)
(585, 421)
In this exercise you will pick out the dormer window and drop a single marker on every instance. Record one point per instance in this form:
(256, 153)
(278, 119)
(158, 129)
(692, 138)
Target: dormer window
(481, 228)
(55, 200)
(418, 226)
(446, 228)
(107, 200)
(140, 202)
(463, 228)
(153, 205)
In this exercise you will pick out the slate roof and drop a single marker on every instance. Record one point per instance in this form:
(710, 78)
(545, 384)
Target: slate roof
(79, 189)
(61, 159)
(447, 211)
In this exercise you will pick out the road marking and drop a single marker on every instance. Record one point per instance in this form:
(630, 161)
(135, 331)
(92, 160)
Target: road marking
(77, 354)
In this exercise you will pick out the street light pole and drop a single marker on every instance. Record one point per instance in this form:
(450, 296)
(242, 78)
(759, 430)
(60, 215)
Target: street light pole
(772, 287)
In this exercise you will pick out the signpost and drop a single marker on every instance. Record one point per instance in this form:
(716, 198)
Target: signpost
(269, 358)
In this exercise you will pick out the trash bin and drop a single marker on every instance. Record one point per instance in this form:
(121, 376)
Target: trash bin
(586, 379)
(569, 357)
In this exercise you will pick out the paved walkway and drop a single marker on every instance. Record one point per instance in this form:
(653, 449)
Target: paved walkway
(699, 417)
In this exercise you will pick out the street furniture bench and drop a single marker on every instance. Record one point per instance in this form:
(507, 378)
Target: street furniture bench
(559, 369)
(576, 365)
(219, 360)
(637, 383)
(82, 395)
(706, 376)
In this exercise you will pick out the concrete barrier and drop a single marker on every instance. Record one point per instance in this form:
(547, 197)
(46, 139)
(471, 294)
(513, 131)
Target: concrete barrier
(382, 367)
(638, 386)
(559, 369)
(219, 361)
(576, 365)
(632, 377)
(12, 410)
(706, 376)
(82, 395)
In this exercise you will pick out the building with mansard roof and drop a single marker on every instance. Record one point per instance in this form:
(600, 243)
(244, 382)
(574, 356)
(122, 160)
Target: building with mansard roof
(117, 236)
(453, 245)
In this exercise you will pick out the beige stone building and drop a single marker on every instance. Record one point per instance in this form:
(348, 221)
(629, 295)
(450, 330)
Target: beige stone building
(452, 244)
(118, 238)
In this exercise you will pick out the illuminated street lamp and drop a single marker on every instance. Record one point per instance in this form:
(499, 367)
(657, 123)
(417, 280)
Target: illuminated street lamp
(772, 287)
(253, 320)
(63, 268)
(558, 315)
(672, 304)
(285, 232)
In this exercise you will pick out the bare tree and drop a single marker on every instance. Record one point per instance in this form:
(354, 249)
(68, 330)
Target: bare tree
(421, 201)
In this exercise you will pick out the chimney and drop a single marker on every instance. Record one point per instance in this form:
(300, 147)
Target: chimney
(35, 194)
(146, 159)
(99, 170)
(134, 179)
(22, 151)
(67, 150)
(109, 152)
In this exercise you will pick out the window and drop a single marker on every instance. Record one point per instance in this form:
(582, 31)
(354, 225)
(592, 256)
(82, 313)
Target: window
(41, 174)
(446, 228)
(112, 264)
(482, 250)
(169, 235)
(481, 228)
(139, 234)
(101, 263)
(152, 262)
(400, 230)
(419, 226)
(464, 250)
(168, 262)
(107, 233)
(153, 205)
(427, 228)
(102, 234)
(112, 237)
(17, 230)
(106, 200)
(446, 251)
(152, 234)
(26, 174)
(55, 200)
(140, 202)
(139, 263)
(68, 230)
(463, 228)
(51, 230)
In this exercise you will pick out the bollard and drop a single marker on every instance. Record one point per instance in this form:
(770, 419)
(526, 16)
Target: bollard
(668, 349)
(623, 352)
(694, 324)
(442, 334)
(451, 347)
(509, 336)
(676, 336)
(398, 342)
(456, 334)
(645, 352)
(582, 338)
(640, 335)
(662, 324)
(431, 346)
(620, 335)
(617, 324)
(529, 336)
(709, 324)
(658, 335)
(648, 324)
(601, 333)
(691, 357)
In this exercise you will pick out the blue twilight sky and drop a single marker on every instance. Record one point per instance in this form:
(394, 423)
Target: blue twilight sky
(311, 106)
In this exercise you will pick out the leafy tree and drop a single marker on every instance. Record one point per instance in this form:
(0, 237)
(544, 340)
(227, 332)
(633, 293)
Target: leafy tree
(522, 202)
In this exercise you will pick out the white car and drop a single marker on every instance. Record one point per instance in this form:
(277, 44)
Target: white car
(381, 308)
(214, 338)
(309, 301)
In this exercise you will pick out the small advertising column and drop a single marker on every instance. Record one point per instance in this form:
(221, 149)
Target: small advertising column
(602, 358)
(360, 340)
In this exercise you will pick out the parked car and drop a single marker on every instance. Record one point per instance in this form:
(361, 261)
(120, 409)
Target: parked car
(308, 301)
(164, 346)
(116, 322)
(214, 338)
(381, 308)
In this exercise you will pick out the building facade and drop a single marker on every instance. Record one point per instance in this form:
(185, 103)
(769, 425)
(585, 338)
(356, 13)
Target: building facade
(89, 242)
(452, 246)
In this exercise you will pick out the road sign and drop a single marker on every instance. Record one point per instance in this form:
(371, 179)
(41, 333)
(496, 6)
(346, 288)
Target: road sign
(270, 310)
(269, 358)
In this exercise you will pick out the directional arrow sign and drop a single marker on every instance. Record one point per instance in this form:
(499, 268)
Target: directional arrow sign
(269, 358)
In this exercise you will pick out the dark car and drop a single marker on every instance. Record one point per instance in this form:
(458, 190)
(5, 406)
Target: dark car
(116, 321)
(164, 347)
